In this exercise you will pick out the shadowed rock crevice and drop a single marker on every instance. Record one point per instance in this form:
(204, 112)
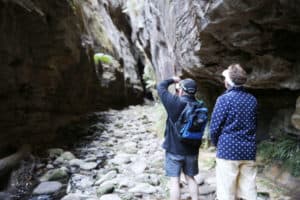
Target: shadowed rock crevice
(47, 74)
(120, 19)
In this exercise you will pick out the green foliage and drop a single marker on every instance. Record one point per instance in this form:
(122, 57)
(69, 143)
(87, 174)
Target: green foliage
(161, 117)
(72, 5)
(209, 163)
(100, 57)
(285, 150)
(149, 76)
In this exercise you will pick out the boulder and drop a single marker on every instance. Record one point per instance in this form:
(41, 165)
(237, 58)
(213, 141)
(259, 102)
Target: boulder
(49, 187)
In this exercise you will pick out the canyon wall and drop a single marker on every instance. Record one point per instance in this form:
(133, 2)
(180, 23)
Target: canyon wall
(48, 76)
(199, 39)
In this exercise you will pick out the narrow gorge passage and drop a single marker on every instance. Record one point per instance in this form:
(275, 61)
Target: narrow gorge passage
(62, 60)
(121, 158)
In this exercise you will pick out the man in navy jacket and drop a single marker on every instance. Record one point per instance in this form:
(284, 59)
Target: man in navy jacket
(179, 156)
(233, 132)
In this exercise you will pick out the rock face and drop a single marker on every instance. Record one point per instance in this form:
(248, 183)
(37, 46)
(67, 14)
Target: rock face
(200, 38)
(206, 36)
(48, 76)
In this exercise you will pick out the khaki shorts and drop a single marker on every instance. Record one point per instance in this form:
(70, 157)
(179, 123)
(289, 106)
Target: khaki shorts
(236, 179)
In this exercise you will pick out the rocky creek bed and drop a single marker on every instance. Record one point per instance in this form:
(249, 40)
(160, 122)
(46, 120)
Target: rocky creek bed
(120, 158)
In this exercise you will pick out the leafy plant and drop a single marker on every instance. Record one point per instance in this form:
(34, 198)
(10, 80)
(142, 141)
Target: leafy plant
(149, 76)
(101, 57)
(72, 5)
(210, 163)
(161, 117)
(285, 149)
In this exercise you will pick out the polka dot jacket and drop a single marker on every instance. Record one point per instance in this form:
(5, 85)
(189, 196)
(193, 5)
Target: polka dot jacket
(233, 125)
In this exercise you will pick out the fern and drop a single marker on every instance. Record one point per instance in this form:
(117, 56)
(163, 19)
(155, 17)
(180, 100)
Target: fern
(285, 150)
(100, 57)
(149, 76)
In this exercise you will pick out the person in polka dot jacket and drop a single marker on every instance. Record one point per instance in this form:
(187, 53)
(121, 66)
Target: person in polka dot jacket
(233, 131)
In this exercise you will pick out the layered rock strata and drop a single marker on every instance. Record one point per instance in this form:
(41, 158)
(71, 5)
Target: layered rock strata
(199, 39)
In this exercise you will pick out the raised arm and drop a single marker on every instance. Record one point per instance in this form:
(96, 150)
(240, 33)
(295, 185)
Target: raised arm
(169, 100)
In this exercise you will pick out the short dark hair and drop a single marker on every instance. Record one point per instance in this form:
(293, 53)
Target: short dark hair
(189, 86)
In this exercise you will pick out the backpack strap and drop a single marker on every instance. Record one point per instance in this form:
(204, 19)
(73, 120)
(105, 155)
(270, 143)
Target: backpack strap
(182, 114)
(193, 104)
(189, 107)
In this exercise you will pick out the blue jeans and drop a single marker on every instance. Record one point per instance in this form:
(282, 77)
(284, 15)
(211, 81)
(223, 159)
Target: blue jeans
(175, 163)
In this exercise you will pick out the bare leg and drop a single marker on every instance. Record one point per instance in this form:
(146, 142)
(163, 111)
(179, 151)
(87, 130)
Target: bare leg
(193, 187)
(182, 178)
(174, 188)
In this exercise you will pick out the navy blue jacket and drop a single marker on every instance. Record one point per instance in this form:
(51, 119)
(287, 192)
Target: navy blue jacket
(233, 125)
(174, 105)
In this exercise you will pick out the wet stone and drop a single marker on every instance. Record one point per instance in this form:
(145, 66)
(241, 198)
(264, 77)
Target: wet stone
(55, 174)
(138, 167)
(55, 152)
(143, 188)
(105, 188)
(110, 197)
(88, 165)
(72, 197)
(79, 182)
(76, 162)
(47, 187)
(41, 197)
(110, 175)
(67, 156)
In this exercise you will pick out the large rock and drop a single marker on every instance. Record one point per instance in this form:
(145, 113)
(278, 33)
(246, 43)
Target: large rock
(143, 188)
(47, 187)
(55, 174)
(138, 167)
(110, 197)
(88, 165)
(78, 196)
(79, 182)
(121, 159)
(105, 188)
(106, 177)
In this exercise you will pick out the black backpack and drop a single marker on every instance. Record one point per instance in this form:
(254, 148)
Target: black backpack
(191, 123)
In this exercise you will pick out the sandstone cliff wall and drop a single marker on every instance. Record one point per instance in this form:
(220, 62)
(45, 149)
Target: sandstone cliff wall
(48, 76)
(199, 39)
